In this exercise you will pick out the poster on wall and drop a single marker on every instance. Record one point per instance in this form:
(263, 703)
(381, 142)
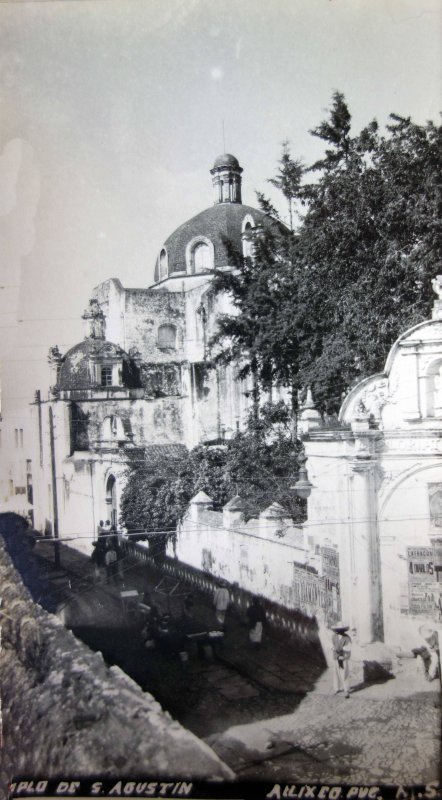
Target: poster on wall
(422, 582)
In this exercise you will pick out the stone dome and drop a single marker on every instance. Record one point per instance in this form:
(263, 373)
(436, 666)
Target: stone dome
(203, 243)
(75, 369)
(226, 160)
(214, 227)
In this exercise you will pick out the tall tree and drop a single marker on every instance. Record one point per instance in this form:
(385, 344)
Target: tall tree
(321, 306)
(370, 244)
(288, 179)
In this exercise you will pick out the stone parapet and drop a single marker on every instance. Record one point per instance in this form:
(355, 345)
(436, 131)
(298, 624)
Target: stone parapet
(65, 712)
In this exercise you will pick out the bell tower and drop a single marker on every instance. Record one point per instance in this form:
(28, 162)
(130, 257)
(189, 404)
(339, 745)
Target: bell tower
(226, 179)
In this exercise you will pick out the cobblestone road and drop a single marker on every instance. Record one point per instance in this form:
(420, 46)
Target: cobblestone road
(385, 733)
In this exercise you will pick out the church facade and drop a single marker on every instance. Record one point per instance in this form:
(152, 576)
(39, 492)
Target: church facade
(140, 377)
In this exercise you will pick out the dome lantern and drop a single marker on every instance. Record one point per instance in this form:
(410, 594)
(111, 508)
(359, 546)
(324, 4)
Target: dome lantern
(226, 179)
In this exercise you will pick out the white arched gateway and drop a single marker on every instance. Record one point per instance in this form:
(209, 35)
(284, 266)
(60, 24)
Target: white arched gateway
(377, 492)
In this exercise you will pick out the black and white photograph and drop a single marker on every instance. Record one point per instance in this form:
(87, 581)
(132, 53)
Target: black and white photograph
(221, 399)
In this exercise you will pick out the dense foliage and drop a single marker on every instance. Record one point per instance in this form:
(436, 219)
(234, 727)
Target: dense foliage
(259, 465)
(320, 305)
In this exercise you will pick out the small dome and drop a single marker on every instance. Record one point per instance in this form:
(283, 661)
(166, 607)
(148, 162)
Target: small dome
(75, 370)
(226, 160)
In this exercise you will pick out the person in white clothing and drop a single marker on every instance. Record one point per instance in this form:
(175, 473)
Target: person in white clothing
(221, 600)
(341, 646)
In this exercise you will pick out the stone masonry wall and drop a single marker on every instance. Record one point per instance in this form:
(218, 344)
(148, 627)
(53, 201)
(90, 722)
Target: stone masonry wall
(65, 713)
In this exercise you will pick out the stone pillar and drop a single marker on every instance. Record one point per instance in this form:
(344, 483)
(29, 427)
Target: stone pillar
(273, 520)
(198, 504)
(362, 595)
(309, 417)
(411, 400)
(233, 513)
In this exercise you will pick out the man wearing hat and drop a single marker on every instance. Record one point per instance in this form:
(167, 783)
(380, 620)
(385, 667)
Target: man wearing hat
(341, 644)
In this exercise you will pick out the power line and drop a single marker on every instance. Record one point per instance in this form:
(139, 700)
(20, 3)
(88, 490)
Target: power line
(176, 530)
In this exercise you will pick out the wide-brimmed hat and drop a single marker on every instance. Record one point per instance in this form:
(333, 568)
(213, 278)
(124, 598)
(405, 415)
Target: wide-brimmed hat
(340, 626)
(426, 631)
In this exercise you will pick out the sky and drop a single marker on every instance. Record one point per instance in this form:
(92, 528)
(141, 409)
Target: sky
(112, 113)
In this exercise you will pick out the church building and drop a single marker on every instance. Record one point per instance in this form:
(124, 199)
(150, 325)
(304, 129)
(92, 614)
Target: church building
(140, 378)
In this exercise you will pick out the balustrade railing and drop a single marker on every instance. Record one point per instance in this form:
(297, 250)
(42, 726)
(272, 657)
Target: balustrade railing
(309, 589)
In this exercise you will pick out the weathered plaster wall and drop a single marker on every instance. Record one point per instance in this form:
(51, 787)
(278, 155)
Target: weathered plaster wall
(404, 522)
(265, 556)
(377, 491)
(66, 713)
(133, 317)
(151, 421)
(145, 312)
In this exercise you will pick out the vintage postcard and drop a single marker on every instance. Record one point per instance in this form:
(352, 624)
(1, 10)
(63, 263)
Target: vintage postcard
(221, 399)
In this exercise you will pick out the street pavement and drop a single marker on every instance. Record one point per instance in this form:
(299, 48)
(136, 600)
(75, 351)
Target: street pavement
(270, 713)
(385, 733)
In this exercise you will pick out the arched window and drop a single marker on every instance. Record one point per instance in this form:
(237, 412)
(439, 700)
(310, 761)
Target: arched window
(247, 241)
(162, 272)
(167, 336)
(111, 500)
(201, 257)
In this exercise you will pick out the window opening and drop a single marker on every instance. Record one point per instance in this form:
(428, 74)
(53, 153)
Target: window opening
(167, 336)
(163, 265)
(201, 257)
(247, 245)
(106, 376)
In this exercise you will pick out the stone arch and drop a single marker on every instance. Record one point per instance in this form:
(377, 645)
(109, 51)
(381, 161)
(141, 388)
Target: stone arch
(163, 264)
(111, 499)
(405, 526)
(200, 255)
(248, 227)
(401, 478)
(248, 221)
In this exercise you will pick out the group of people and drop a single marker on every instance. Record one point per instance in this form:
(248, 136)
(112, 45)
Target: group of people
(428, 654)
(106, 555)
(256, 616)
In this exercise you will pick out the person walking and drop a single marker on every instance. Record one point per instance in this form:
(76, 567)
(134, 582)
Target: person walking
(221, 600)
(111, 563)
(256, 617)
(341, 647)
(97, 558)
(431, 656)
